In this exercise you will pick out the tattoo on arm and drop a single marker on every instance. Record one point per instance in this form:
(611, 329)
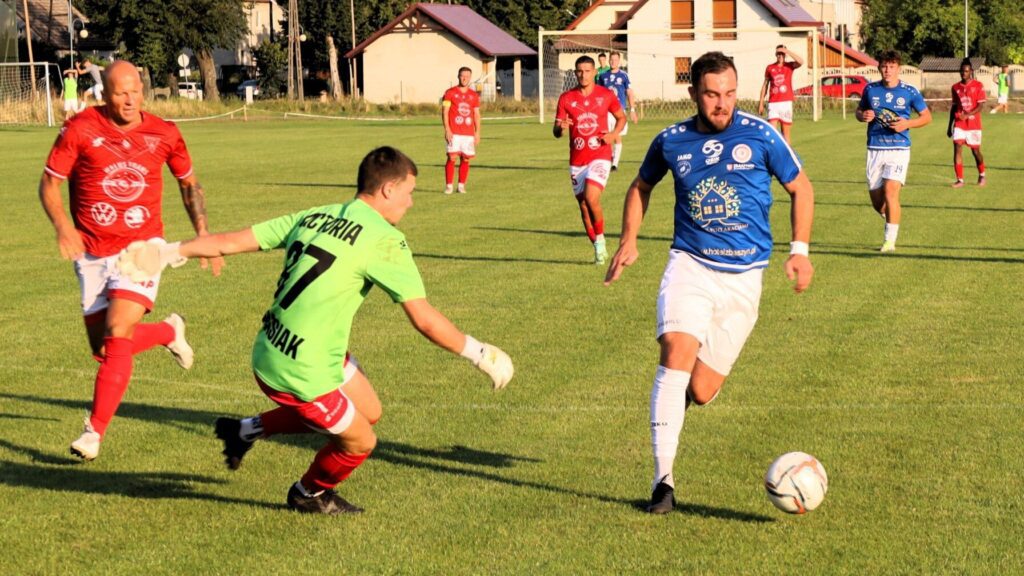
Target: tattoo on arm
(194, 198)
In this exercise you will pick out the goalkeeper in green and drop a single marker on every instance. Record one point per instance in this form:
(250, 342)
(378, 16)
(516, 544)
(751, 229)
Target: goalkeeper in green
(334, 255)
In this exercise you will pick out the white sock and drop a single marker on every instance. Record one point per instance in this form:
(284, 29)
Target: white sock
(668, 409)
(598, 238)
(891, 231)
(252, 428)
(616, 153)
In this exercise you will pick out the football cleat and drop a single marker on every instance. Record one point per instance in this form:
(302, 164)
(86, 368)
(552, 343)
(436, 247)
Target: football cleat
(663, 499)
(327, 502)
(981, 181)
(957, 184)
(87, 447)
(448, 189)
(228, 430)
(179, 347)
(888, 246)
(600, 252)
(615, 167)
(461, 189)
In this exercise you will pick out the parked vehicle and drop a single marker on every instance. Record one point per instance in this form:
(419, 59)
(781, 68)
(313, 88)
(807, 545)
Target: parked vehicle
(240, 91)
(832, 87)
(190, 90)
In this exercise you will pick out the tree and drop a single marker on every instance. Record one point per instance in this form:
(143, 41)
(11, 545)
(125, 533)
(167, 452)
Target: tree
(271, 61)
(204, 25)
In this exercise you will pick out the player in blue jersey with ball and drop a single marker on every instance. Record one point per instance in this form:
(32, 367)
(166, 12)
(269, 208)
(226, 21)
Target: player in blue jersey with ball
(722, 161)
(885, 106)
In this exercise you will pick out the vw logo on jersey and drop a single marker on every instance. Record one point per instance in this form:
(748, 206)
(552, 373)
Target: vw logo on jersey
(741, 153)
(104, 214)
(712, 149)
(136, 216)
(578, 143)
(586, 123)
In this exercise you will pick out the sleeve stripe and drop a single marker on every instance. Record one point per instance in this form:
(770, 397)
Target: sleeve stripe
(53, 173)
(186, 174)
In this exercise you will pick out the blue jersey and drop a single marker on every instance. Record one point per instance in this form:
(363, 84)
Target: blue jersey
(723, 188)
(900, 99)
(617, 82)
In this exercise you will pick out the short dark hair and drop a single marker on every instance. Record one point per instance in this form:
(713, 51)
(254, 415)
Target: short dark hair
(890, 56)
(384, 164)
(584, 60)
(710, 63)
(464, 69)
(602, 55)
(782, 46)
(966, 62)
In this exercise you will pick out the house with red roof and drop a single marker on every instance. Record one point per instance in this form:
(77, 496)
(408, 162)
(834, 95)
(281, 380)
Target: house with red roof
(416, 57)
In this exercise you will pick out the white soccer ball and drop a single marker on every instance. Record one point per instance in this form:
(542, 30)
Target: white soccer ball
(796, 482)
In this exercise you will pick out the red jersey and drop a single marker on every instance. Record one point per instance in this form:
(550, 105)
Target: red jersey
(115, 177)
(589, 115)
(780, 85)
(460, 114)
(966, 97)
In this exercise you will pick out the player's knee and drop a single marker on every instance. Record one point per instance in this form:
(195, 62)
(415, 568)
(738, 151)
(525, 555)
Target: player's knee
(373, 415)
(361, 443)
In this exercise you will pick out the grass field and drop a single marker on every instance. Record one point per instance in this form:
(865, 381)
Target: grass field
(900, 372)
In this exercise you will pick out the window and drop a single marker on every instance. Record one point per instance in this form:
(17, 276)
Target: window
(683, 71)
(682, 17)
(725, 17)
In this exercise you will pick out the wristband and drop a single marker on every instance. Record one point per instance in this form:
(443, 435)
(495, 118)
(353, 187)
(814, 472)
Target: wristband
(801, 248)
(473, 350)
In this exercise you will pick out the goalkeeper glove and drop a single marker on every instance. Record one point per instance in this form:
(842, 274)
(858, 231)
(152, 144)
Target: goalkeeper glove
(491, 360)
(142, 261)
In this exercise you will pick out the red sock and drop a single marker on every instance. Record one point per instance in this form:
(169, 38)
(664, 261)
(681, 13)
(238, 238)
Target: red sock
(599, 227)
(149, 335)
(463, 171)
(330, 467)
(981, 169)
(591, 234)
(959, 169)
(449, 172)
(111, 381)
(283, 420)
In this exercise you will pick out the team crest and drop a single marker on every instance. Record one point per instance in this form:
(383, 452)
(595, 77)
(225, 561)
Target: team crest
(713, 202)
(151, 143)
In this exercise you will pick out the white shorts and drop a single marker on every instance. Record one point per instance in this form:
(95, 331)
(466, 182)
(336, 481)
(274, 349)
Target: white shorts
(970, 137)
(1003, 99)
(100, 281)
(611, 125)
(781, 111)
(71, 105)
(597, 172)
(97, 91)
(719, 309)
(887, 165)
(462, 145)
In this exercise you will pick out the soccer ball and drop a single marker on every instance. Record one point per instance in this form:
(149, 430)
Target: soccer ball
(796, 482)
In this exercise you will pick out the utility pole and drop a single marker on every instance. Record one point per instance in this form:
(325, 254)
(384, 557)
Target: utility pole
(294, 52)
(352, 61)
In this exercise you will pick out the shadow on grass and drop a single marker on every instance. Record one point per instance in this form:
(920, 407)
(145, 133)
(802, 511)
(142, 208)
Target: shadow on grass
(866, 204)
(419, 255)
(308, 185)
(478, 166)
(62, 473)
(4, 415)
(784, 247)
(703, 511)
(565, 233)
(871, 252)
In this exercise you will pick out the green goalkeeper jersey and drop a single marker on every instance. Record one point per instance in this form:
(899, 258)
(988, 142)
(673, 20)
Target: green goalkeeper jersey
(335, 255)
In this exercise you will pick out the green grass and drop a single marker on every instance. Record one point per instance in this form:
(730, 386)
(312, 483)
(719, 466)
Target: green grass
(901, 373)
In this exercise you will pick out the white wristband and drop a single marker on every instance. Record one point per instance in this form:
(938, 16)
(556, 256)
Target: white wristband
(473, 350)
(801, 248)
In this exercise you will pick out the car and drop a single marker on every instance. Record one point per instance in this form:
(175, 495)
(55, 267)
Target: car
(240, 91)
(190, 90)
(831, 87)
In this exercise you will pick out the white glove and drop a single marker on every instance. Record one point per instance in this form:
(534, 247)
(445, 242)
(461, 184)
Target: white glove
(141, 261)
(491, 360)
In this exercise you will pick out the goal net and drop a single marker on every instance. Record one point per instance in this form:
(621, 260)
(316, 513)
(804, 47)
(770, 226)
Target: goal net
(27, 92)
(658, 63)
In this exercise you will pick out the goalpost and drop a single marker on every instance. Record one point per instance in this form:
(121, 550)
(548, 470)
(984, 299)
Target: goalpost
(27, 92)
(658, 62)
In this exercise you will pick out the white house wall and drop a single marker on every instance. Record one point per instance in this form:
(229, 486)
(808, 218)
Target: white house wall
(412, 68)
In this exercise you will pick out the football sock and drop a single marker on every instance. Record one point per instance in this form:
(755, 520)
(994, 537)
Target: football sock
(668, 409)
(330, 467)
(891, 231)
(981, 169)
(591, 234)
(599, 227)
(147, 336)
(463, 171)
(251, 428)
(281, 420)
(111, 381)
(449, 172)
(599, 238)
(959, 169)
(616, 153)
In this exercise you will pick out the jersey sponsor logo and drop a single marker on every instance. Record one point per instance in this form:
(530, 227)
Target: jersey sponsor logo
(712, 149)
(136, 216)
(586, 124)
(901, 101)
(713, 202)
(103, 214)
(460, 120)
(594, 143)
(683, 168)
(124, 181)
(152, 142)
(464, 109)
(888, 97)
(578, 143)
(741, 153)
(686, 156)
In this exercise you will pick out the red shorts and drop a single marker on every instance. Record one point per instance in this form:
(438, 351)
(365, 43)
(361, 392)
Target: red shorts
(330, 413)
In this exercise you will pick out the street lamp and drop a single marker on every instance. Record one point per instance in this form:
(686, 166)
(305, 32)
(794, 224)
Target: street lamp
(72, 21)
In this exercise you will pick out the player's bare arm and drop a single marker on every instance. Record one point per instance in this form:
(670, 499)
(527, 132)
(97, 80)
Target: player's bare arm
(923, 119)
(864, 114)
(638, 197)
(444, 120)
(68, 239)
(631, 96)
(476, 125)
(796, 58)
(560, 125)
(220, 245)
(616, 134)
(798, 266)
(194, 199)
(764, 93)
